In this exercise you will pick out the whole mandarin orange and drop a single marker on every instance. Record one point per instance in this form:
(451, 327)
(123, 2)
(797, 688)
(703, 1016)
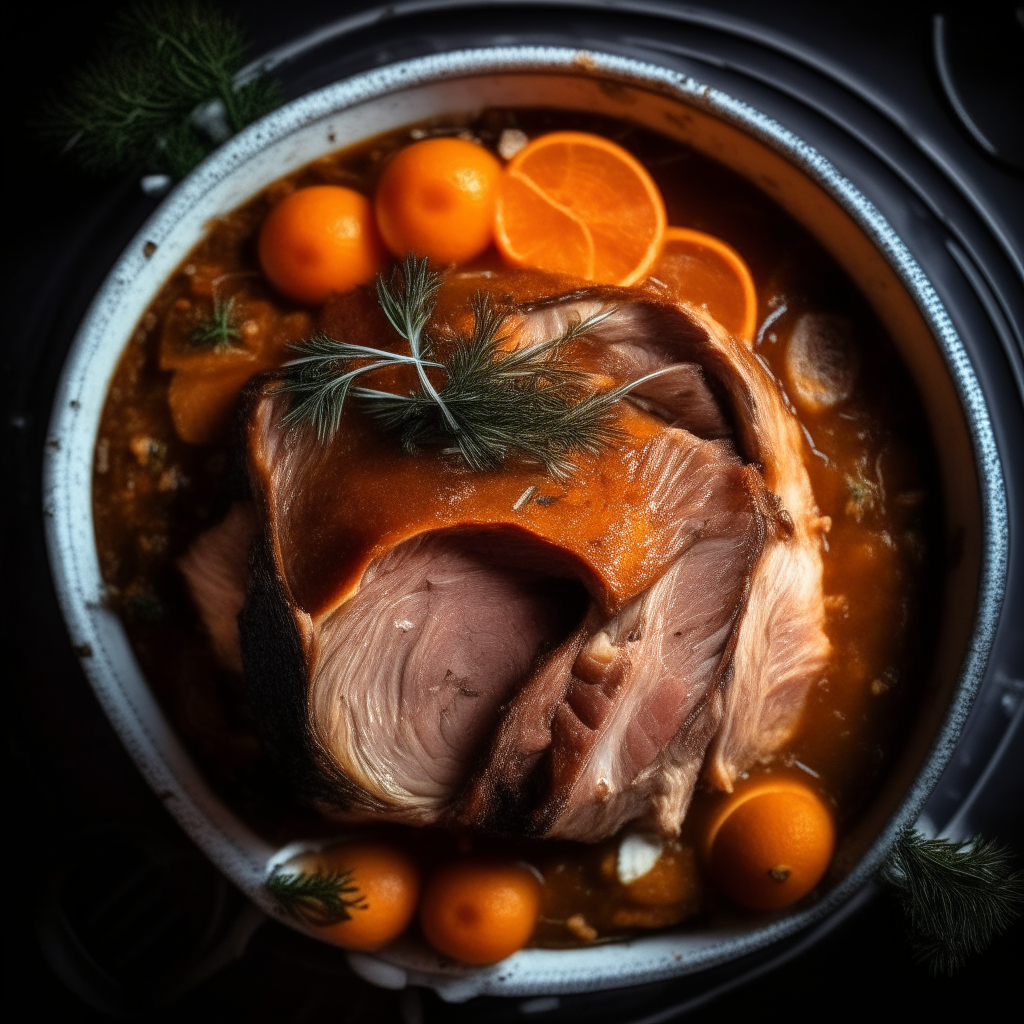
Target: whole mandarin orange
(386, 881)
(320, 240)
(480, 911)
(436, 198)
(770, 844)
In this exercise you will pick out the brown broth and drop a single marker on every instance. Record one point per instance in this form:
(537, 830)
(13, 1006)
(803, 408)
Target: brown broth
(873, 474)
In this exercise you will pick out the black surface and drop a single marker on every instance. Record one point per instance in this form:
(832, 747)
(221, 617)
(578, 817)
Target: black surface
(868, 91)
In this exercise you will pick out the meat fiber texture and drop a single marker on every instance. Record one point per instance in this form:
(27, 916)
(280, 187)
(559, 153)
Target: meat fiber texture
(427, 644)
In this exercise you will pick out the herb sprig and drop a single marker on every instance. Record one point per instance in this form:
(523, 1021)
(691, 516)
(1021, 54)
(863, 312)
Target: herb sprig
(320, 380)
(957, 897)
(136, 104)
(218, 332)
(496, 403)
(319, 898)
(408, 303)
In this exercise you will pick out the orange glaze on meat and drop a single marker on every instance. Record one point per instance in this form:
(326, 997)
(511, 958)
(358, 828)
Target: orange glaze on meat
(381, 496)
(597, 515)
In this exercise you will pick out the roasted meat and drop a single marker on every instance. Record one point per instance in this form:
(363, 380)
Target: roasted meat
(506, 651)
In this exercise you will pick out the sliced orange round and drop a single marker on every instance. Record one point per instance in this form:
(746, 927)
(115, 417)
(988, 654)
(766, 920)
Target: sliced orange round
(575, 203)
(705, 271)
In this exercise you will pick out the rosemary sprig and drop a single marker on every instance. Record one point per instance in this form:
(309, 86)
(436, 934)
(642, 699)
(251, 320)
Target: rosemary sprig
(496, 402)
(133, 106)
(318, 898)
(957, 897)
(218, 331)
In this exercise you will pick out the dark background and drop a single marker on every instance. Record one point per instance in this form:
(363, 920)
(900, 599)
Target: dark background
(80, 819)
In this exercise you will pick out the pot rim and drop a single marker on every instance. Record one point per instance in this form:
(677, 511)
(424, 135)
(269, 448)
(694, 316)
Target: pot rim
(149, 738)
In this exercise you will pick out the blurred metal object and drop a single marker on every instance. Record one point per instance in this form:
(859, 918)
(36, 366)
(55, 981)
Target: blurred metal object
(979, 58)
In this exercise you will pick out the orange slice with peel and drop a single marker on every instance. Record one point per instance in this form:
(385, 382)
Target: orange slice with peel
(576, 203)
(705, 271)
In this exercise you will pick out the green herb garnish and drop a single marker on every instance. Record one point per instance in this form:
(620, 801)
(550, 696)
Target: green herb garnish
(957, 897)
(318, 898)
(218, 331)
(136, 105)
(321, 378)
(496, 403)
(141, 606)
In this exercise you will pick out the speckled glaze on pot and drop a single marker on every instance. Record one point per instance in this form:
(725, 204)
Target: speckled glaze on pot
(802, 181)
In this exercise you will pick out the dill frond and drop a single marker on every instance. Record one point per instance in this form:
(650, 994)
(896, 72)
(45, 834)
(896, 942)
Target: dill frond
(521, 402)
(957, 897)
(255, 98)
(320, 378)
(318, 898)
(130, 108)
(408, 301)
(496, 403)
(219, 331)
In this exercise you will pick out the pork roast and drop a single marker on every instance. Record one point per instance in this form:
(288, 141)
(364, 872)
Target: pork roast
(502, 650)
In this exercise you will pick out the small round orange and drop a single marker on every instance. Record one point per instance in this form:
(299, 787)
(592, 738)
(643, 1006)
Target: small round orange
(770, 844)
(386, 881)
(320, 240)
(480, 911)
(436, 199)
(577, 203)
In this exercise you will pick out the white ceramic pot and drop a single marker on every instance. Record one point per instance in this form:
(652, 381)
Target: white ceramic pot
(789, 170)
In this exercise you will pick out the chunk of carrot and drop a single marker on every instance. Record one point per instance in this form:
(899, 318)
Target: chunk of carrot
(203, 403)
(203, 393)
